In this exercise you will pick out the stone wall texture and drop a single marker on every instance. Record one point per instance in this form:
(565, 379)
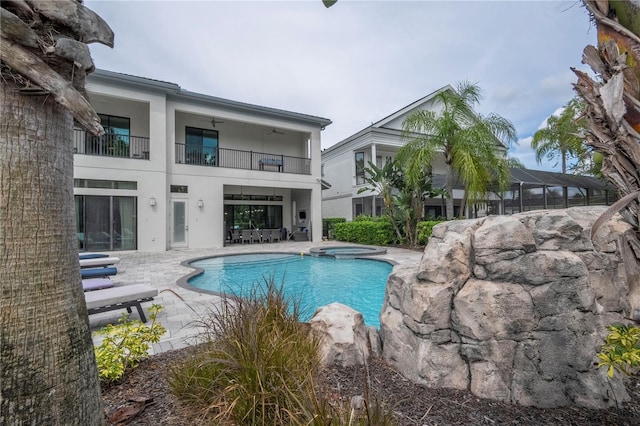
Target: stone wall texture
(513, 308)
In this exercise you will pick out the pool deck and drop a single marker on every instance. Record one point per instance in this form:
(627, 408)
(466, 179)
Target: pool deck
(182, 307)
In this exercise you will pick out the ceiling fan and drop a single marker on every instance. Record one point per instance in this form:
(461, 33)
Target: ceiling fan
(214, 122)
(275, 131)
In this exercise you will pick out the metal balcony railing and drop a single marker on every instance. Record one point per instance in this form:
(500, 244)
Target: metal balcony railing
(237, 159)
(111, 145)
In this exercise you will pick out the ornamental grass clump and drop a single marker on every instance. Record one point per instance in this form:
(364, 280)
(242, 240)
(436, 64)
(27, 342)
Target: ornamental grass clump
(256, 365)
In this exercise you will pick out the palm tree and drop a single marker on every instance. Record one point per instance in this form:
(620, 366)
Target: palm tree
(562, 136)
(48, 372)
(383, 181)
(613, 117)
(470, 143)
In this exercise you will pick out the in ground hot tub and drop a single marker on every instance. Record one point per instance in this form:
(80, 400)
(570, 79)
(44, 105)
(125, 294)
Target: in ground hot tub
(347, 251)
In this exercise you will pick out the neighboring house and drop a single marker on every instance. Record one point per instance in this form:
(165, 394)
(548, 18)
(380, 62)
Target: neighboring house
(183, 169)
(343, 164)
(343, 167)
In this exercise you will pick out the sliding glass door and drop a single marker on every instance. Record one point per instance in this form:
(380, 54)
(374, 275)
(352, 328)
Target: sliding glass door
(106, 223)
(245, 216)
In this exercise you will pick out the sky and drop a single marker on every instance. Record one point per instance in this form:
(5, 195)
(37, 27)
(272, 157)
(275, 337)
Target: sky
(358, 61)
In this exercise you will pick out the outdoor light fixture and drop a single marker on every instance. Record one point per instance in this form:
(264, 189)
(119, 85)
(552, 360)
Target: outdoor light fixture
(200, 203)
(152, 201)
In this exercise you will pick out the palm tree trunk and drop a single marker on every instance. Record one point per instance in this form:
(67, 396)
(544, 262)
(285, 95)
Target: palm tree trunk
(613, 114)
(48, 372)
(449, 186)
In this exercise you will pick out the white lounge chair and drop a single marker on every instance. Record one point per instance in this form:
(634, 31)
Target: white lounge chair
(99, 261)
(91, 284)
(121, 297)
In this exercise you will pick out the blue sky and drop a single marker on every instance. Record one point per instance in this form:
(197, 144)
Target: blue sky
(358, 61)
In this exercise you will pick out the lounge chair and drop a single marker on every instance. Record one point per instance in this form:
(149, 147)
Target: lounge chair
(91, 284)
(97, 272)
(99, 261)
(120, 297)
(82, 256)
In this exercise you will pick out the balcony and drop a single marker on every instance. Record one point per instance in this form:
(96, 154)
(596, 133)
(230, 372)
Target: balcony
(111, 145)
(237, 159)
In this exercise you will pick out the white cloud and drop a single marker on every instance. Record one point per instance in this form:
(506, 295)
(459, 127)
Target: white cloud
(358, 61)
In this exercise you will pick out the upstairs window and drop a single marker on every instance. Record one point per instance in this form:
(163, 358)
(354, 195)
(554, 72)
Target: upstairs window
(359, 168)
(201, 146)
(115, 141)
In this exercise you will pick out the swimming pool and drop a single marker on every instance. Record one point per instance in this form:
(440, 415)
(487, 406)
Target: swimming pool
(315, 281)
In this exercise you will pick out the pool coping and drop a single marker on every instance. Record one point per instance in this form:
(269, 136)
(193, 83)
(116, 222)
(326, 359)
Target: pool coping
(371, 251)
(183, 282)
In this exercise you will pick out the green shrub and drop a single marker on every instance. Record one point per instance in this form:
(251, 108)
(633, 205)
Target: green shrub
(257, 366)
(379, 233)
(126, 344)
(328, 224)
(621, 350)
(425, 229)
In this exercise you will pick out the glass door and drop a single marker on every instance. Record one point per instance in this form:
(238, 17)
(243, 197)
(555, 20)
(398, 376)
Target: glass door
(180, 227)
(106, 223)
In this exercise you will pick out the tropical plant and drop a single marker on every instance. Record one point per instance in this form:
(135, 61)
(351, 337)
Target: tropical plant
(403, 200)
(471, 144)
(515, 163)
(383, 182)
(621, 350)
(612, 110)
(127, 343)
(563, 137)
(48, 371)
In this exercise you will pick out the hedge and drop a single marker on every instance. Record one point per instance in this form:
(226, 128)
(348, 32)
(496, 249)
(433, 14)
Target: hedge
(365, 232)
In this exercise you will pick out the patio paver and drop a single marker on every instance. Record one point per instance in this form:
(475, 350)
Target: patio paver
(183, 307)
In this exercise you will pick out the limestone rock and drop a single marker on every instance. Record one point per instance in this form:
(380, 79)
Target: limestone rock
(342, 335)
(513, 308)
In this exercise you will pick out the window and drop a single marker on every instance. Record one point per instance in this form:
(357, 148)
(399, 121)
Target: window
(359, 168)
(115, 141)
(104, 184)
(247, 197)
(201, 146)
(243, 216)
(179, 189)
(105, 223)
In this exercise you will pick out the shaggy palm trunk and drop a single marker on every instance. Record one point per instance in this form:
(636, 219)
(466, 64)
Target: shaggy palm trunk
(613, 114)
(48, 373)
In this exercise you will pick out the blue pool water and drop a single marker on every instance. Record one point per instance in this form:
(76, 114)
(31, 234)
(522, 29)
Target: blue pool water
(316, 281)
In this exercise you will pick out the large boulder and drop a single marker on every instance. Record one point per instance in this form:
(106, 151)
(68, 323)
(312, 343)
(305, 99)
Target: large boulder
(513, 308)
(342, 335)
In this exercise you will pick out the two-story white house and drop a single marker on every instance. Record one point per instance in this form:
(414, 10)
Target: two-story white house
(183, 169)
(343, 165)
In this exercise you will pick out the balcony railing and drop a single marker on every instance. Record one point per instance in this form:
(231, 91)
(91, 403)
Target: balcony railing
(111, 145)
(237, 159)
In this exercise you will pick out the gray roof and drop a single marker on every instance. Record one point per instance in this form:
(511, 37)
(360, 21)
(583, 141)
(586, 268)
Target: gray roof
(174, 90)
(539, 178)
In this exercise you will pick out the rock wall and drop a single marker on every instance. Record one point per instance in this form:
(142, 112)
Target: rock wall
(513, 308)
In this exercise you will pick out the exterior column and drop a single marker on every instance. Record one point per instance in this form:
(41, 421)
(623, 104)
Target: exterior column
(373, 160)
